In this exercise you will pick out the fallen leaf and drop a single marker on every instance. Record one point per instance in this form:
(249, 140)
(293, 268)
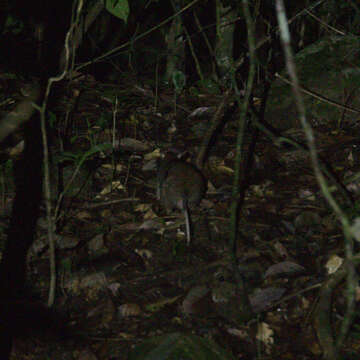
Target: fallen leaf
(265, 334)
(333, 264)
(284, 268)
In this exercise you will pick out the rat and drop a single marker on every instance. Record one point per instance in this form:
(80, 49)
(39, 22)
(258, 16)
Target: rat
(181, 186)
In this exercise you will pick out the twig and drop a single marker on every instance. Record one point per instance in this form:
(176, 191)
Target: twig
(330, 350)
(42, 109)
(318, 96)
(111, 52)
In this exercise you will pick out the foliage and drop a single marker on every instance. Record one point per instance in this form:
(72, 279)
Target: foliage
(6, 171)
(177, 346)
(13, 25)
(179, 80)
(80, 158)
(322, 68)
(118, 8)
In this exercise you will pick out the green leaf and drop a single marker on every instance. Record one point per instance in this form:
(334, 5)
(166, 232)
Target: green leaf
(80, 158)
(93, 150)
(13, 25)
(178, 346)
(118, 8)
(52, 119)
(179, 80)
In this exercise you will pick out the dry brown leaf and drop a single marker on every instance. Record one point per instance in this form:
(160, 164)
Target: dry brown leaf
(156, 154)
(194, 298)
(333, 263)
(83, 215)
(127, 310)
(284, 268)
(115, 185)
(265, 334)
(142, 207)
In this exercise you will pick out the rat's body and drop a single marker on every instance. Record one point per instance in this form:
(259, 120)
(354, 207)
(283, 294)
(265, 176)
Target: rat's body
(180, 186)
